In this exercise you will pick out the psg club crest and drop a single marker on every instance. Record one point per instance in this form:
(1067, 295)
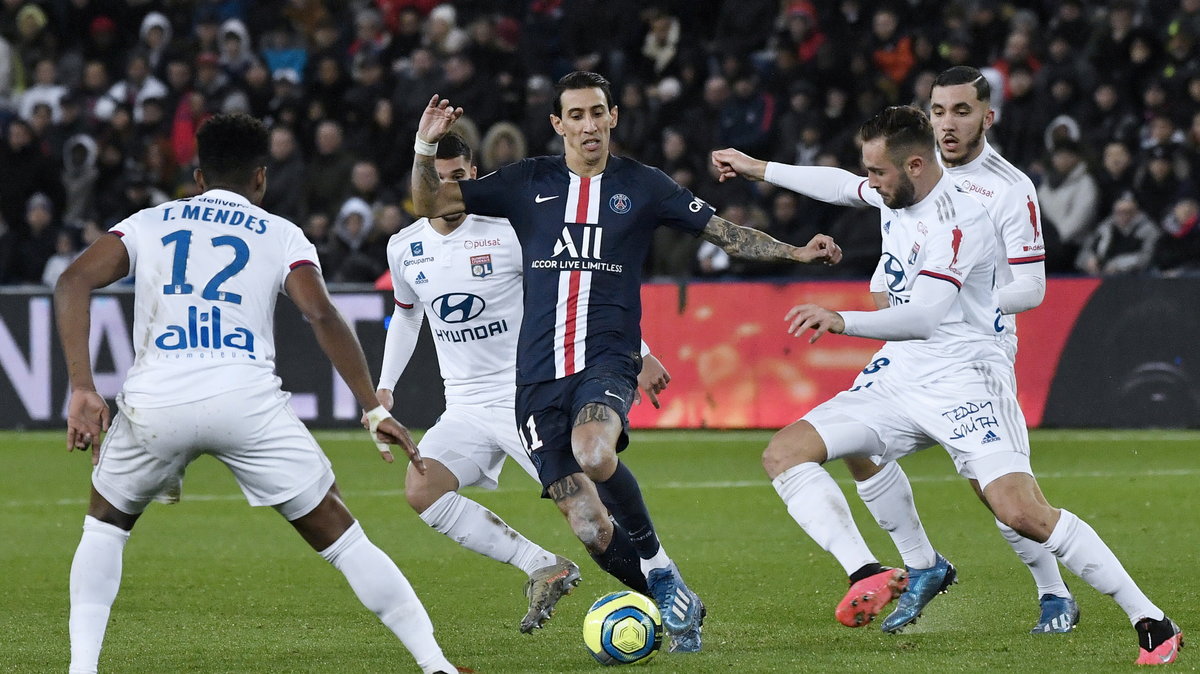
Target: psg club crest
(481, 266)
(417, 248)
(619, 203)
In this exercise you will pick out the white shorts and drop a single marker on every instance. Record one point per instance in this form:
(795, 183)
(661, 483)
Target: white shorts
(971, 410)
(472, 441)
(255, 434)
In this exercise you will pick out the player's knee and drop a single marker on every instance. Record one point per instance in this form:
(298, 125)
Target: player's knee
(1031, 520)
(421, 492)
(596, 457)
(789, 447)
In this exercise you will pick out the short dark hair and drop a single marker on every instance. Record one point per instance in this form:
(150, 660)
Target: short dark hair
(581, 79)
(905, 130)
(452, 146)
(966, 75)
(230, 147)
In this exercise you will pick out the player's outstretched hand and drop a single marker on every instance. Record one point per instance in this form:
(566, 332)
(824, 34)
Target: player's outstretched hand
(819, 319)
(653, 379)
(732, 163)
(394, 433)
(437, 119)
(822, 248)
(87, 418)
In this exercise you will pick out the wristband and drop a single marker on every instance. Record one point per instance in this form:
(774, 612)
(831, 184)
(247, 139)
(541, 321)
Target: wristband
(374, 418)
(423, 147)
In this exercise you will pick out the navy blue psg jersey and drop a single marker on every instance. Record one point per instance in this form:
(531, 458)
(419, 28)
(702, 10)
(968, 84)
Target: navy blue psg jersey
(584, 241)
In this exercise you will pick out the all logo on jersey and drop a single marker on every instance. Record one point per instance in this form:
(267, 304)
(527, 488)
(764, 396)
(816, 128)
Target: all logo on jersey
(912, 257)
(588, 247)
(421, 278)
(619, 203)
(481, 266)
(417, 248)
(458, 307)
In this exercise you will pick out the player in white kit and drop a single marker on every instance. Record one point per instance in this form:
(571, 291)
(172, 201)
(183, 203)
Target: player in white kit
(944, 376)
(207, 274)
(463, 273)
(960, 114)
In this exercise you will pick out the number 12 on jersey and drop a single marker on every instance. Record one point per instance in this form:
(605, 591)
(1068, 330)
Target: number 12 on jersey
(182, 240)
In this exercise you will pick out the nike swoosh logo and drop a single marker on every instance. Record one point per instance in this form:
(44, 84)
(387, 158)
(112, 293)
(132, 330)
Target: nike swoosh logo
(539, 198)
(610, 393)
(1170, 654)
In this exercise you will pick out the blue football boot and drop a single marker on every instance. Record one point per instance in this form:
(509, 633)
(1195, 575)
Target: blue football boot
(1059, 615)
(923, 586)
(682, 611)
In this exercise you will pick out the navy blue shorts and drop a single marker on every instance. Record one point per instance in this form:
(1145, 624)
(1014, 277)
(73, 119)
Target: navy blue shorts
(546, 414)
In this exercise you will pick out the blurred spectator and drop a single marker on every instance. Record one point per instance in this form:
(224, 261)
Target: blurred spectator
(740, 26)
(1115, 174)
(66, 249)
(285, 176)
(135, 193)
(236, 52)
(504, 144)
(349, 256)
(442, 34)
(639, 123)
(1070, 20)
(328, 175)
(46, 90)
(1022, 120)
(1123, 243)
(1158, 183)
(155, 34)
(137, 86)
(1107, 117)
(79, 177)
(1069, 199)
(890, 48)
(25, 170)
(32, 249)
(747, 117)
(1178, 249)
(366, 186)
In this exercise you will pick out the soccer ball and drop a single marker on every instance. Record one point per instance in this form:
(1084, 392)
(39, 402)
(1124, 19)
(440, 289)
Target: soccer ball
(623, 628)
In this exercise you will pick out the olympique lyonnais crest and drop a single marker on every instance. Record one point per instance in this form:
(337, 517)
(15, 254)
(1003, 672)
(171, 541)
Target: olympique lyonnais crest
(481, 265)
(619, 203)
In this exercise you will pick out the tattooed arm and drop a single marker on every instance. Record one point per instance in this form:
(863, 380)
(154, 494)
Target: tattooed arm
(753, 244)
(433, 197)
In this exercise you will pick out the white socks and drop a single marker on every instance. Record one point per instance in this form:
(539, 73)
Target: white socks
(889, 497)
(1081, 550)
(817, 504)
(478, 529)
(95, 579)
(660, 560)
(1041, 562)
(387, 593)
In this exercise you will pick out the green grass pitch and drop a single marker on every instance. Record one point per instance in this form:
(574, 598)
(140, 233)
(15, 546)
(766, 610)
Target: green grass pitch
(211, 585)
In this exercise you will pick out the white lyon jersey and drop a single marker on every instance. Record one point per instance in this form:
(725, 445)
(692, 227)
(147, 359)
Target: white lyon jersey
(1011, 200)
(947, 236)
(207, 272)
(468, 283)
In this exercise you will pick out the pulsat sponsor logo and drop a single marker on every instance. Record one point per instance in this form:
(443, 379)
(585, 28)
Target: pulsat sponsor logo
(969, 186)
(472, 244)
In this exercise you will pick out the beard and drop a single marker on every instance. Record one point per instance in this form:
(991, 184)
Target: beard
(905, 195)
(967, 149)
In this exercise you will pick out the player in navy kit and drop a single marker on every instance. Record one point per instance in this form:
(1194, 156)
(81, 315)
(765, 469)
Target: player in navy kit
(585, 221)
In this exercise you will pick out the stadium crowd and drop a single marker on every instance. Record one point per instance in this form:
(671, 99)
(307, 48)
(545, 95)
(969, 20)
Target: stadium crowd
(100, 100)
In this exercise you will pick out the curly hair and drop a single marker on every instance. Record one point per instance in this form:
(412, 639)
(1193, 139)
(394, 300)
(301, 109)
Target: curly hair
(230, 147)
